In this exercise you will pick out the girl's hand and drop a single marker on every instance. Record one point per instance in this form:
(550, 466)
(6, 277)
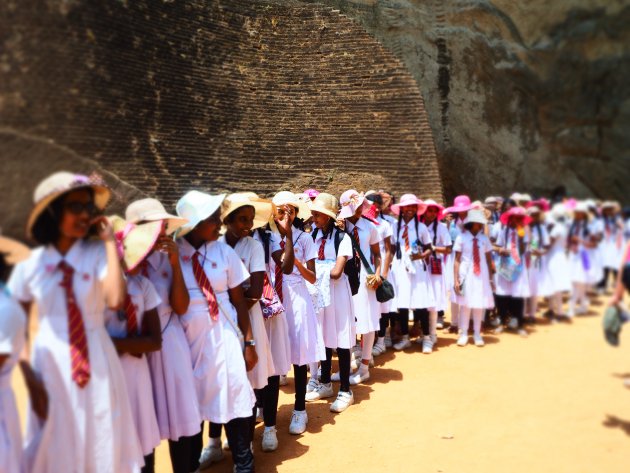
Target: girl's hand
(167, 245)
(458, 289)
(251, 357)
(341, 223)
(286, 221)
(493, 285)
(103, 228)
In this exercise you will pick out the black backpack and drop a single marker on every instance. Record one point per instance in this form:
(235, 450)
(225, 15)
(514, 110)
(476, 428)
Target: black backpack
(352, 269)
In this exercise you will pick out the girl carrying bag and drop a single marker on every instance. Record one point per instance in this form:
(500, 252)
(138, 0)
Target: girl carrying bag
(385, 291)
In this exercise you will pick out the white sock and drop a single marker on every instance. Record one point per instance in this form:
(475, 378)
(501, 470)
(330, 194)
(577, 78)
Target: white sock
(380, 341)
(368, 344)
(454, 314)
(464, 320)
(433, 316)
(267, 429)
(477, 315)
(313, 367)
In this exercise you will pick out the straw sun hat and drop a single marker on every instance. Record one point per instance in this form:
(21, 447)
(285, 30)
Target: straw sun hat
(263, 208)
(60, 183)
(135, 242)
(326, 204)
(152, 210)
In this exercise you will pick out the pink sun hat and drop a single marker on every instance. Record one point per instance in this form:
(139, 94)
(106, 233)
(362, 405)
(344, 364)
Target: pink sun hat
(311, 193)
(461, 203)
(516, 212)
(407, 200)
(432, 203)
(350, 201)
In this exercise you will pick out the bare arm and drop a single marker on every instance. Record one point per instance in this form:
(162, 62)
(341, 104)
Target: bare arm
(254, 293)
(376, 256)
(237, 297)
(337, 270)
(149, 340)
(458, 259)
(308, 271)
(179, 298)
(389, 256)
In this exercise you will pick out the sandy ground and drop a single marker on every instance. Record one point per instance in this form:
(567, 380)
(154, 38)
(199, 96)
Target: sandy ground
(553, 402)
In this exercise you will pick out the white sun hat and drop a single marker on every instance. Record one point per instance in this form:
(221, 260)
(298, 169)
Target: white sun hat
(195, 207)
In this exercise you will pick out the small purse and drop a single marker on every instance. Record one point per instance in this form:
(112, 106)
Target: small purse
(509, 269)
(385, 291)
(435, 264)
(270, 302)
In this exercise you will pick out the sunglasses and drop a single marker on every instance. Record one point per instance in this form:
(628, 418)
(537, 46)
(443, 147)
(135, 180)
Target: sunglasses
(77, 208)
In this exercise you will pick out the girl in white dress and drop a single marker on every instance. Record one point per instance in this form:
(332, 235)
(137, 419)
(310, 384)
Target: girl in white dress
(557, 261)
(613, 242)
(242, 213)
(80, 418)
(174, 394)
(579, 241)
(473, 273)
(441, 247)
(217, 326)
(538, 272)
(334, 248)
(411, 273)
(135, 330)
(367, 309)
(294, 256)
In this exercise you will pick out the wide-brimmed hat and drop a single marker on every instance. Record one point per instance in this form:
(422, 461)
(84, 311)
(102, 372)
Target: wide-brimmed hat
(311, 193)
(263, 208)
(134, 241)
(13, 251)
(195, 207)
(326, 204)
(289, 198)
(559, 211)
(461, 203)
(60, 183)
(516, 212)
(525, 198)
(542, 204)
(533, 209)
(582, 207)
(476, 216)
(350, 201)
(405, 201)
(611, 204)
(491, 200)
(152, 210)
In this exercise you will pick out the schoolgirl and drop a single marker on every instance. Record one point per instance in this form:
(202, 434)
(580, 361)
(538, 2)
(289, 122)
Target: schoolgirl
(135, 330)
(385, 230)
(556, 259)
(596, 270)
(174, 394)
(512, 280)
(454, 219)
(294, 255)
(473, 275)
(80, 418)
(441, 246)
(413, 289)
(612, 243)
(579, 241)
(539, 278)
(242, 213)
(334, 248)
(12, 339)
(388, 199)
(217, 326)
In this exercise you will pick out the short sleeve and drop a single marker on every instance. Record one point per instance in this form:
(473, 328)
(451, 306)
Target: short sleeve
(19, 282)
(11, 322)
(150, 296)
(487, 246)
(446, 236)
(100, 263)
(257, 261)
(425, 236)
(458, 244)
(375, 237)
(345, 247)
(387, 233)
(500, 238)
(237, 273)
(274, 242)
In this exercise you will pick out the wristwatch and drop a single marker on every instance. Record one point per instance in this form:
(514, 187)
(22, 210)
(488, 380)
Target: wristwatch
(250, 343)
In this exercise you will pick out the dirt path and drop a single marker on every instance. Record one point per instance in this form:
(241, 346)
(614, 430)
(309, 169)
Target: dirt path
(551, 403)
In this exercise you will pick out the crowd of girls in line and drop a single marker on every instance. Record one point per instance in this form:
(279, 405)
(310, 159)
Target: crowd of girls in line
(152, 325)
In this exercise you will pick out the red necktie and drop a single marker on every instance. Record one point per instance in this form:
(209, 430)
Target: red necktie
(514, 250)
(476, 258)
(79, 354)
(278, 274)
(321, 255)
(205, 286)
(406, 238)
(132, 317)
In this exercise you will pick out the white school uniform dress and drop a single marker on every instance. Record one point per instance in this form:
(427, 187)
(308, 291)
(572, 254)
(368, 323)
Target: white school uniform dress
(305, 338)
(276, 327)
(391, 277)
(252, 255)
(12, 338)
(449, 264)
(223, 389)
(477, 288)
(367, 309)
(337, 319)
(413, 287)
(596, 271)
(520, 286)
(557, 260)
(440, 236)
(385, 231)
(90, 428)
(137, 375)
(540, 283)
(174, 393)
(579, 257)
(613, 244)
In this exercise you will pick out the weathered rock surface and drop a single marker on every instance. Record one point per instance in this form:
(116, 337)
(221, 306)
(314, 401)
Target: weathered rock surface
(170, 96)
(520, 94)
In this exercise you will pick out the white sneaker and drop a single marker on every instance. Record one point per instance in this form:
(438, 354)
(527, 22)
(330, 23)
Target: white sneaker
(336, 377)
(269, 440)
(498, 330)
(209, 455)
(283, 380)
(388, 342)
(355, 363)
(427, 345)
(513, 323)
(479, 341)
(259, 415)
(357, 351)
(462, 341)
(378, 349)
(359, 377)
(404, 343)
(299, 419)
(311, 386)
(522, 332)
(440, 323)
(434, 338)
(322, 391)
(343, 401)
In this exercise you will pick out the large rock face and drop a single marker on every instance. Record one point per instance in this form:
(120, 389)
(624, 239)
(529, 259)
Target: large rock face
(520, 94)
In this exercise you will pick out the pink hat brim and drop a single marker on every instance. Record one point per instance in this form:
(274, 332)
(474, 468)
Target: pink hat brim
(464, 208)
(506, 217)
(418, 203)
